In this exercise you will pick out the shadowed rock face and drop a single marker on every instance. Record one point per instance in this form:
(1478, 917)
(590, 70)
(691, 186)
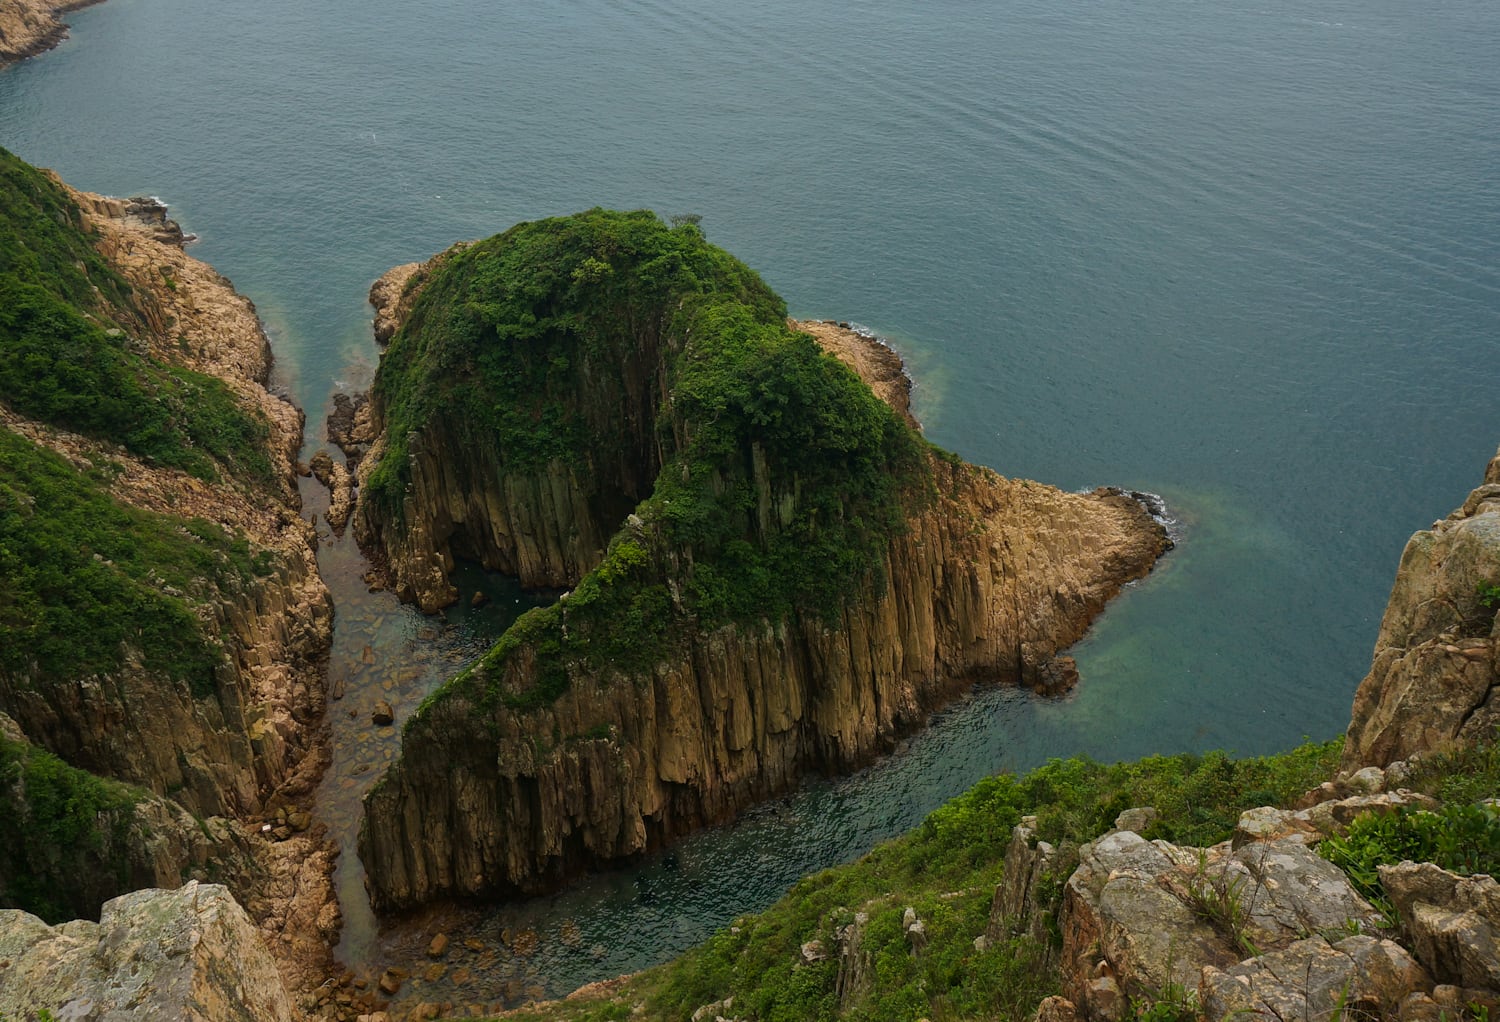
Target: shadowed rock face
(496, 793)
(1433, 678)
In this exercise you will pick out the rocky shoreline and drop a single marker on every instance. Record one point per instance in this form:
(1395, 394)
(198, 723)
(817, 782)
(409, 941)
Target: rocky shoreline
(987, 581)
(30, 27)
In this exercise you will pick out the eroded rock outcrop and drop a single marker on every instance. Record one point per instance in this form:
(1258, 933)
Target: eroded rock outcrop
(539, 763)
(1434, 675)
(1259, 925)
(493, 800)
(189, 953)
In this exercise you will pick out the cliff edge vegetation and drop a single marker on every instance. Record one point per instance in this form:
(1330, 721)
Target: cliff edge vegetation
(771, 570)
(1329, 883)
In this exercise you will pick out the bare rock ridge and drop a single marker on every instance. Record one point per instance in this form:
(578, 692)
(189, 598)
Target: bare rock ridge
(532, 766)
(225, 754)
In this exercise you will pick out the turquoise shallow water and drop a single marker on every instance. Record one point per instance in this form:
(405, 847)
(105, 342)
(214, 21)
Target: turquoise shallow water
(1245, 254)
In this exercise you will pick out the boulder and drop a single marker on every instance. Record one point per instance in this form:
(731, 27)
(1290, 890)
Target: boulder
(189, 954)
(1453, 922)
(1358, 977)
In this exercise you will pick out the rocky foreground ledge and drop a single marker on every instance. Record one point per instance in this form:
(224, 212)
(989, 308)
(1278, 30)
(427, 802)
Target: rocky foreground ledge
(190, 954)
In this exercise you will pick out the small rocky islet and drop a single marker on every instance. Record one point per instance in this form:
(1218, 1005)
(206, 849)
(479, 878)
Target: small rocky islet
(768, 572)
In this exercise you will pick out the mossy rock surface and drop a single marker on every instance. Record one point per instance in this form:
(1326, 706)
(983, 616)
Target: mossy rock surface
(745, 473)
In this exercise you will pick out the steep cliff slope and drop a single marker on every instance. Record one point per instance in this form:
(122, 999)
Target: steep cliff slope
(1433, 678)
(772, 571)
(162, 622)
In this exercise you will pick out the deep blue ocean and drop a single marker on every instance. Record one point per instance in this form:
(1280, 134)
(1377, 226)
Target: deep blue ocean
(1243, 254)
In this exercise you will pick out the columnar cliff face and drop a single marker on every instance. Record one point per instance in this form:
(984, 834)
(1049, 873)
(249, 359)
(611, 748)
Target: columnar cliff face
(490, 800)
(805, 582)
(543, 479)
(1433, 679)
(162, 622)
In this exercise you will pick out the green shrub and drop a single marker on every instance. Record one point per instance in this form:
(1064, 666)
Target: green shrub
(1464, 838)
(83, 577)
(64, 359)
(69, 829)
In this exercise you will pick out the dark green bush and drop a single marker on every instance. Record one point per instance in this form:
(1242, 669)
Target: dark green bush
(64, 360)
(83, 577)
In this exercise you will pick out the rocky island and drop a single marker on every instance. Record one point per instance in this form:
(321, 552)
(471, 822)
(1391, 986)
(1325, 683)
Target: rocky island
(769, 570)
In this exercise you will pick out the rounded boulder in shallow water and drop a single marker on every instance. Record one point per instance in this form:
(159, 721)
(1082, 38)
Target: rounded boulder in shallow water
(383, 715)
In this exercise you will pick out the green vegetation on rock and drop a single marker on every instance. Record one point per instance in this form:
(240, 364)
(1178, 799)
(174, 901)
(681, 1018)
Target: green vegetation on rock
(946, 870)
(73, 828)
(66, 357)
(85, 579)
(779, 478)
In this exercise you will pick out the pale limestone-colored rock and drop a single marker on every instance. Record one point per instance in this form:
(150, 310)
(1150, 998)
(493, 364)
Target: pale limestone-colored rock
(1312, 979)
(1286, 890)
(1453, 921)
(1116, 907)
(855, 970)
(189, 954)
(1138, 820)
(1151, 916)
(1434, 668)
(814, 951)
(1056, 1009)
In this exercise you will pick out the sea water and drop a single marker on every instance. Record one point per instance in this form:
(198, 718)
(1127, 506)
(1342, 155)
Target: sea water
(1243, 254)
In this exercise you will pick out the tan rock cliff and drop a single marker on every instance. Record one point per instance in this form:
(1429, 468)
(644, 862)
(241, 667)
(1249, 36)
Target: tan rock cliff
(1433, 679)
(254, 743)
(547, 528)
(223, 755)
